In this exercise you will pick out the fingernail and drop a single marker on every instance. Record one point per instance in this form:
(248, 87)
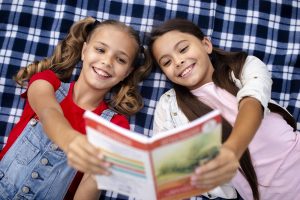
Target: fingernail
(107, 173)
(198, 171)
(107, 164)
(193, 178)
(101, 156)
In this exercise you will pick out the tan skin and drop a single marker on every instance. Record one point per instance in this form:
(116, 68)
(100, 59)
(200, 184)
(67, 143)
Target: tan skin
(106, 62)
(87, 189)
(184, 60)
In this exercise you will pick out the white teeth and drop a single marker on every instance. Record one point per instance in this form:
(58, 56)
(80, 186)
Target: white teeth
(101, 72)
(187, 70)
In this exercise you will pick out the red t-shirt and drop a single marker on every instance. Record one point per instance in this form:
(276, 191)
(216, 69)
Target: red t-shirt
(72, 112)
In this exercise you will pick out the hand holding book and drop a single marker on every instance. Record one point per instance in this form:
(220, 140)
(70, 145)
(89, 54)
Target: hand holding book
(161, 166)
(223, 167)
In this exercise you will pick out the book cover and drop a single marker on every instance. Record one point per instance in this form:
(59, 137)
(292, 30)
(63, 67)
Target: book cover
(158, 167)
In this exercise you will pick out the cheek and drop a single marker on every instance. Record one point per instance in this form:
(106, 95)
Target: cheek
(88, 56)
(123, 71)
(168, 72)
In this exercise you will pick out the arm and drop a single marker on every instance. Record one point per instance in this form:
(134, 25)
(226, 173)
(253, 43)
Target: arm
(81, 155)
(254, 95)
(247, 122)
(255, 92)
(223, 168)
(255, 81)
(87, 189)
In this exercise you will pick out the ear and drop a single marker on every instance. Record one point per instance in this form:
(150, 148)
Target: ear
(207, 45)
(83, 51)
(129, 71)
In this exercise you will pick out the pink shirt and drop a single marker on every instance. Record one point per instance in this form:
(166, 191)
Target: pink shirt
(275, 149)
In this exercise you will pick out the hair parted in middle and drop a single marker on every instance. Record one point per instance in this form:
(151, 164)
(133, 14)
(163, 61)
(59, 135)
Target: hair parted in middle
(223, 63)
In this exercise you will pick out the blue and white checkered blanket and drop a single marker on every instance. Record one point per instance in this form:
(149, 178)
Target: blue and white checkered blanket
(29, 30)
(268, 29)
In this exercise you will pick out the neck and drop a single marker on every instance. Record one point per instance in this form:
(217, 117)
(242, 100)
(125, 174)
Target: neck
(86, 97)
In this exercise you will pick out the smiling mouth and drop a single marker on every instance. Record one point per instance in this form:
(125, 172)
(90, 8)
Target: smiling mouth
(187, 71)
(101, 72)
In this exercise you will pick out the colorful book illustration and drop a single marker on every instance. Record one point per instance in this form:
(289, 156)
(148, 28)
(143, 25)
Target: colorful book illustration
(125, 165)
(159, 167)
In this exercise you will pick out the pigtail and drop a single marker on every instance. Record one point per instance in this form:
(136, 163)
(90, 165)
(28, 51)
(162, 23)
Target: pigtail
(65, 57)
(126, 98)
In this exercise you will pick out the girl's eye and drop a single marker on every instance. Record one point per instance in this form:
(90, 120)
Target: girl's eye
(183, 49)
(100, 50)
(122, 61)
(166, 63)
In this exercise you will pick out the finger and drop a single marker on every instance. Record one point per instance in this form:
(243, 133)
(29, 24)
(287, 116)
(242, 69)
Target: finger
(86, 153)
(222, 174)
(223, 159)
(81, 143)
(210, 166)
(214, 179)
(87, 168)
(85, 162)
(204, 186)
(211, 183)
(80, 157)
(225, 169)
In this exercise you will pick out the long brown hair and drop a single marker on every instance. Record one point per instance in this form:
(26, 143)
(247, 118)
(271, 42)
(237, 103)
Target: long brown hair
(125, 96)
(224, 63)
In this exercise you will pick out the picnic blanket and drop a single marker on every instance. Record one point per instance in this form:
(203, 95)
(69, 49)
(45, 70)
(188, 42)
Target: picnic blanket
(268, 29)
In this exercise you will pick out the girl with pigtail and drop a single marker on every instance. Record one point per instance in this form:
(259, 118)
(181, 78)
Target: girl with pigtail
(48, 145)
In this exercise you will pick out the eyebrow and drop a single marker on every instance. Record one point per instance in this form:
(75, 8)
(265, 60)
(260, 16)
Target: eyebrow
(175, 47)
(119, 51)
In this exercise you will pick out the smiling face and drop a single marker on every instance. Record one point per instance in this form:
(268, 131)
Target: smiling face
(107, 57)
(184, 58)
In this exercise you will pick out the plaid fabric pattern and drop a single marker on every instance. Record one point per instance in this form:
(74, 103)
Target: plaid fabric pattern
(29, 30)
(108, 195)
(270, 30)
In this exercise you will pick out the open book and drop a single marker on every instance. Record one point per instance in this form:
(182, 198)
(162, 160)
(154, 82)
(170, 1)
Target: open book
(159, 167)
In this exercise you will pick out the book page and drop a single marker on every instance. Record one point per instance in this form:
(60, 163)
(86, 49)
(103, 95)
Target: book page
(131, 168)
(174, 155)
(175, 158)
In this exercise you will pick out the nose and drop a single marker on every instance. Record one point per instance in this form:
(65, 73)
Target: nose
(179, 62)
(106, 61)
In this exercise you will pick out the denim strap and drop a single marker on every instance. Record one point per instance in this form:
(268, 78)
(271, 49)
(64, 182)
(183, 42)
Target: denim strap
(108, 114)
(62, 91)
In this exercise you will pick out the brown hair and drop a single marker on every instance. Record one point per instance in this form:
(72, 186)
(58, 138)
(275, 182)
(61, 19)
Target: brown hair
(224, 63)
(125, 96)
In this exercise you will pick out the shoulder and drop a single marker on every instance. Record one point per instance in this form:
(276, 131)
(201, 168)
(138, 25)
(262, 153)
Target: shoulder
(168, 96)
(167, 102)
(253, 61)
(254, 67)
(167, 114)
(110, 114)
(48, 76)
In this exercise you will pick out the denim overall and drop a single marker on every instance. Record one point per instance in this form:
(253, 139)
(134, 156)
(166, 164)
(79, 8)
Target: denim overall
(34, 167)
